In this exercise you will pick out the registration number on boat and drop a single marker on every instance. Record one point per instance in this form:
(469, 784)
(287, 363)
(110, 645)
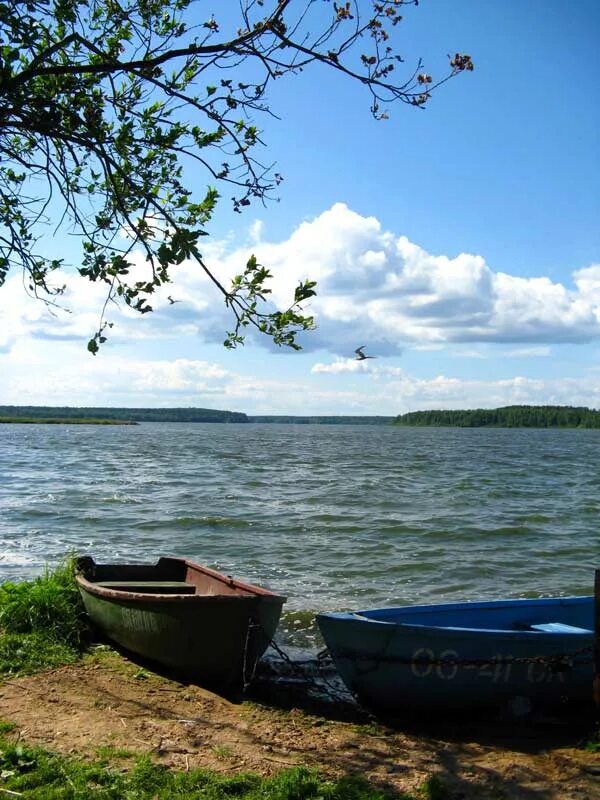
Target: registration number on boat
(426, 663)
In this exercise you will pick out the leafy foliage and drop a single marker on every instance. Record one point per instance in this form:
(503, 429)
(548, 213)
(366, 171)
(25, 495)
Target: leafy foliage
(107, 105)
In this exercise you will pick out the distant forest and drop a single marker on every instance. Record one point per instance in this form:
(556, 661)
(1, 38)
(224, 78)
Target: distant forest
(66, 413)
(99, 415)
(333, 420)
(507, 417)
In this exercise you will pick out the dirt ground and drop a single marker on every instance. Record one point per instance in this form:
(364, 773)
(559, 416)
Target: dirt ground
(108, 706)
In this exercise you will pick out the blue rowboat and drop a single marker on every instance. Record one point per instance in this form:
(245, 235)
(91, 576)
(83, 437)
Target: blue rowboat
(523, 654)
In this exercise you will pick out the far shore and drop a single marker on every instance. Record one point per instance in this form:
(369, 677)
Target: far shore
(65, 421)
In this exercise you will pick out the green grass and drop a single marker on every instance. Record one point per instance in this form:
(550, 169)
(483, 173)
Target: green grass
(223, 751)
(592, 745)
(6, 727)
(42, 622)
(107, 753)
(39, 775)
(27, 653)
(434, 788)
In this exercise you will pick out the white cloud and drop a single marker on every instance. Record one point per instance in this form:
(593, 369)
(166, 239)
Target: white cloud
(429, 347)
(62, 373)
(255, 230)
(373, 286)
(529, 352)
(467, 353)
(446, 392)
(355, 366)
(376, 287)
(342, 365)
(588, 282)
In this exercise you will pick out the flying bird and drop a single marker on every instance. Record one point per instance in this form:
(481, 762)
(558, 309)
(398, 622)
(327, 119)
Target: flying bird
(360, 356)
(171, 301)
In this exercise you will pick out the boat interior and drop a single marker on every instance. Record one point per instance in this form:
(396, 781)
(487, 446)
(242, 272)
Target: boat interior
(568, 615)
(167, 576)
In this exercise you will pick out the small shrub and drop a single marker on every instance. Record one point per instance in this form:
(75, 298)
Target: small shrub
(43, 621)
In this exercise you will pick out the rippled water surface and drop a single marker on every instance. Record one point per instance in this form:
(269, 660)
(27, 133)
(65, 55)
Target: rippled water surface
(332, 516)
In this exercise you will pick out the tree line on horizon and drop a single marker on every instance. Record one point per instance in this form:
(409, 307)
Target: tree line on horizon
(522, 416)
(56, 414)
(43, 413)
(506, 417)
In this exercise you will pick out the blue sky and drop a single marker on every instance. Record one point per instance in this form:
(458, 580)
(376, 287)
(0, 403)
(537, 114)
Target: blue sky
(460, 244)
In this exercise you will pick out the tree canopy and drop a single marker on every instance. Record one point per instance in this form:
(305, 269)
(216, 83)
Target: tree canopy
(108, 106)
(506, 417)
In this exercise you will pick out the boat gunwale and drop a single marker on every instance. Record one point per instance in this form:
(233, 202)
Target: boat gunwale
(250, 591)
(540, 602)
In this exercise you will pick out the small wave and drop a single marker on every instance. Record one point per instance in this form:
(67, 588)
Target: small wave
(11, 559)
(31, 511)
(213, 522)
(509, 530)
(298, 628)
(191, 522)
(121, 498)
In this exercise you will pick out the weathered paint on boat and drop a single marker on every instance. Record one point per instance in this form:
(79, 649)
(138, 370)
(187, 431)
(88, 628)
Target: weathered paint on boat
(182, 615)
(461, 656)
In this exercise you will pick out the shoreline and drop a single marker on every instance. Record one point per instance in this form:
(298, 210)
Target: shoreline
(123, 710)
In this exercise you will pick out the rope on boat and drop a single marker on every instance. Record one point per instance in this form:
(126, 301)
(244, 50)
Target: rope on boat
(247, 677)
(323, 685)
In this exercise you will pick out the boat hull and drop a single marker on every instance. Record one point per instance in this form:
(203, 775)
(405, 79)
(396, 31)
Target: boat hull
(215, 634)
(427, 658)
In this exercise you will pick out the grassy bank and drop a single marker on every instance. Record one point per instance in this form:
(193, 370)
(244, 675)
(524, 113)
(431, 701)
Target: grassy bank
(42, 621)
(37, 774)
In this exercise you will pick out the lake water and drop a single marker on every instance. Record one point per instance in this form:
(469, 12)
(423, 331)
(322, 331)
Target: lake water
(332, 516)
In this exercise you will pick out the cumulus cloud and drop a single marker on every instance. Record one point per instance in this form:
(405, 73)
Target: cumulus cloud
(389, 291)
(588, 281)
(374, 286)
(69, 376)
(353, 366)
(378, 287)
(343, 365)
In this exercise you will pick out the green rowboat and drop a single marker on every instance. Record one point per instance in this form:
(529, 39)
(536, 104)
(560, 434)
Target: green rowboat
(182, 615)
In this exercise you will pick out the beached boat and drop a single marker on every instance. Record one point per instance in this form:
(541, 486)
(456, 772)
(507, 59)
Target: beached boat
(520, 654)
(182, 615)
